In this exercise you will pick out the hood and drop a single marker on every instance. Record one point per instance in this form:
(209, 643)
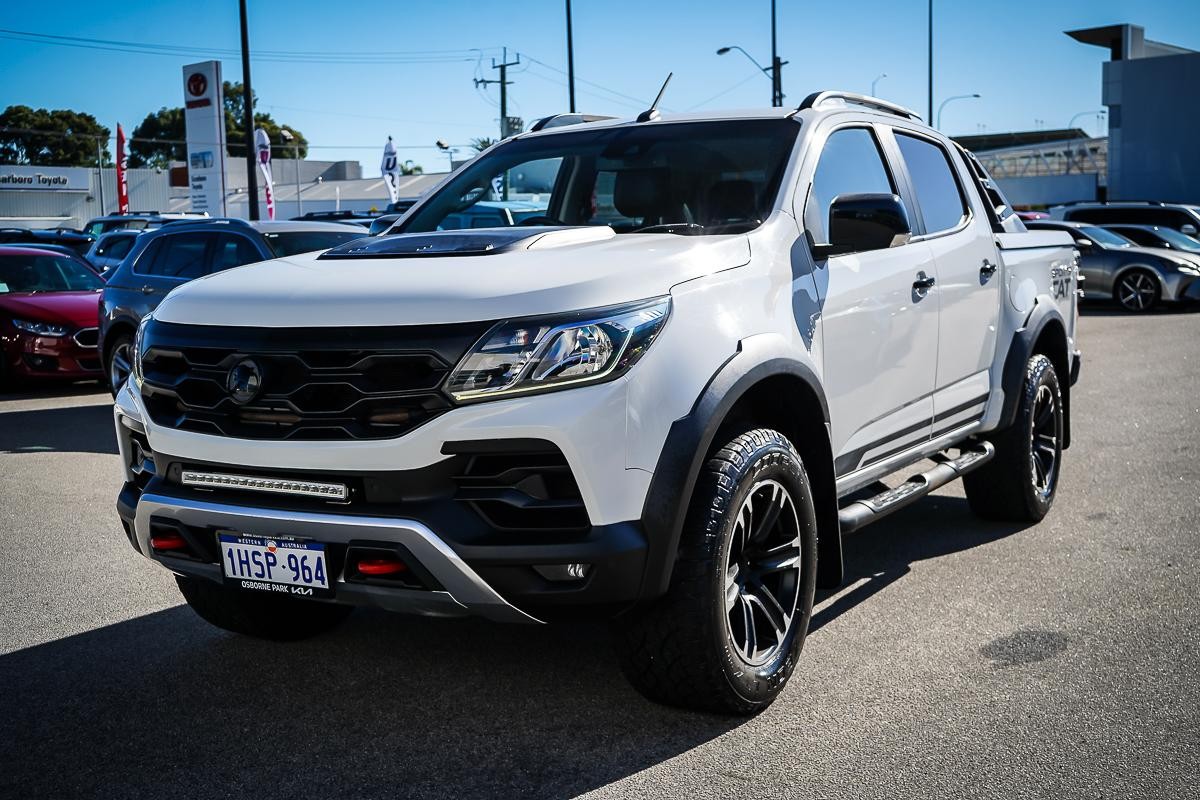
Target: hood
(80, 309)
(1161, 253)
(453, 276)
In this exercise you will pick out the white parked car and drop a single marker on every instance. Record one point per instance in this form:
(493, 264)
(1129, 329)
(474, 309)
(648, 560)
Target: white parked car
(663, 401)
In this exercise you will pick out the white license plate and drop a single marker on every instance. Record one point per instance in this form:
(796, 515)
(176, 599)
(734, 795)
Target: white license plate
(280, 564)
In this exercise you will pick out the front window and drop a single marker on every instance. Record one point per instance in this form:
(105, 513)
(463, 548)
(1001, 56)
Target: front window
(1105, 238)
(688, 178)
(1177, 240)
(45, 273)
(292, 243)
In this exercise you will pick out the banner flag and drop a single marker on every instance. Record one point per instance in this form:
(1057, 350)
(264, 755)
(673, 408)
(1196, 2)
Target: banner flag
(262, 146)
(122, 183)
(391, 170)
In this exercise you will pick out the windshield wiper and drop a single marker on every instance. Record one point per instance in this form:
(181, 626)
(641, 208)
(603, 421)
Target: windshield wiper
(681, 228)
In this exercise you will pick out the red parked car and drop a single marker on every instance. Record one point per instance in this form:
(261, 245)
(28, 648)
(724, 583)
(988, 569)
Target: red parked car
(49, 307)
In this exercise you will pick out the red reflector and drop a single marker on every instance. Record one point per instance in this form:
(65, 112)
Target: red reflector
(381, 566)
(168, 541)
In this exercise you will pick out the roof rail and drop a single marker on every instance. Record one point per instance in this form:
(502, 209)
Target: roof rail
(817, 98)
(558, 120)
(177, 223)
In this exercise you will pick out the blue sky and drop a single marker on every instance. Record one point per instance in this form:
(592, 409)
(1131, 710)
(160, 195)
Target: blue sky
(1014, 55)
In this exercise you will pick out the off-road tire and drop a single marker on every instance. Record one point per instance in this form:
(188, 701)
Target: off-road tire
(261, 616)
(681, 650)
(1004, 488)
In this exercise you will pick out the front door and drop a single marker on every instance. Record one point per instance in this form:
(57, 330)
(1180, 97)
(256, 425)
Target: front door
(879, 334)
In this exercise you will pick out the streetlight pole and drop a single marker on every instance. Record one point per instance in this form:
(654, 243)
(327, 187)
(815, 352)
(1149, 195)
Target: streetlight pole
(877, 80)
(1084, 114)
(570, 62)
(930, 60)
(776, 90)
(948, 100)
(288, 137)
(248, 117)
(776, 66)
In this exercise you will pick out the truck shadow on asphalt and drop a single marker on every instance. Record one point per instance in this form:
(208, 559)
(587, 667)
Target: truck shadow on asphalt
(66, 429)
(164, 705)
(884, 552)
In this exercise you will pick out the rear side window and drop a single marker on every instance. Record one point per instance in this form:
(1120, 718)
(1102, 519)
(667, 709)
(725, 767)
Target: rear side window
(234, 251)
(851, 163)
(938, 192)
(115, 247)
(182, 256)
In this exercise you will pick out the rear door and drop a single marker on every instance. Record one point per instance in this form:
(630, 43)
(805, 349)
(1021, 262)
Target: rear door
(172, 260)
(955, 225)
(879, 335)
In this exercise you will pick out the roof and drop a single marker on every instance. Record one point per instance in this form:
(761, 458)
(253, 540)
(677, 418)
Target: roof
(983, 142)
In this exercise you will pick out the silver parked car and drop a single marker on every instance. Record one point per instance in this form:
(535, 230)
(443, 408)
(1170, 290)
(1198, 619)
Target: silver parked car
(1138, 278)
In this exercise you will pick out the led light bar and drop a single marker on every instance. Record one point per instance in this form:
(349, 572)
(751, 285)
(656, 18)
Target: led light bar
(217, 480)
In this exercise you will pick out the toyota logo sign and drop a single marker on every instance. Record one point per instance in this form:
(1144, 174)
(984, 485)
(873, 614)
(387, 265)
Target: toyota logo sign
(197, 84)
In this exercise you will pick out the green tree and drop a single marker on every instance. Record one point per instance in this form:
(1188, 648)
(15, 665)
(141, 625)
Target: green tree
(162, 133)
(235, 138)
(482, 143)
(158, 140)
(59, 137)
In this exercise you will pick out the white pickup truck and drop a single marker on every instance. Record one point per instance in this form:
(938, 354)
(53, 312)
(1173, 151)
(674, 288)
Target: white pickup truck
(665, 401)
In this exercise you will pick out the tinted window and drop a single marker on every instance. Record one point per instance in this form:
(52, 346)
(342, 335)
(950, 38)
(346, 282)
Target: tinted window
(234, 251)
(937, 189)
(45, 273)
(850, 164)
(1133, 216)
(1139, 236)
(115, 246)
(179, 256)
(290, 243)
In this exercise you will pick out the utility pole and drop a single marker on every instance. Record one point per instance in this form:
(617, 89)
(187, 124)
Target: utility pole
(100, 171)
(776, 66)
(570, 62)
(504, 83)
(248, 117)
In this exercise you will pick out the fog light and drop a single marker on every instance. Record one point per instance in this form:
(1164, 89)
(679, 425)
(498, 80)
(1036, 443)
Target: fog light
(563, 572)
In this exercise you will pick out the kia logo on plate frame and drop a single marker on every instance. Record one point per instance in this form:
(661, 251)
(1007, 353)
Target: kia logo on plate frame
(244, 381)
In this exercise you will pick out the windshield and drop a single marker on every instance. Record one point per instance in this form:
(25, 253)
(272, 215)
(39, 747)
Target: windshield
(1105, 237)
(686, 178)
(290, 243)
(45, 273)
(1178, 240)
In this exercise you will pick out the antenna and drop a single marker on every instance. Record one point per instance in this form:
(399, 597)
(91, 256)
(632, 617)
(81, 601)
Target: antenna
(652, 112)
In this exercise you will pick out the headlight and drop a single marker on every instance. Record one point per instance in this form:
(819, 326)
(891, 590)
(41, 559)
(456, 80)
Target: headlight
(536, 355)
(1187, 268)
(40, 328)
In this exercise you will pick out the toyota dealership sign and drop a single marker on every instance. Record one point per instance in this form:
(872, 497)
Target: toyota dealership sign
(204, 117)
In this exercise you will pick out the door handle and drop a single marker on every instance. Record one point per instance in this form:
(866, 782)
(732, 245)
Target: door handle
(987, 270)
(924, 282)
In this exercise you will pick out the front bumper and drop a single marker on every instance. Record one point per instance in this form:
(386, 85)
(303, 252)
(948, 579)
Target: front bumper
(35, 357)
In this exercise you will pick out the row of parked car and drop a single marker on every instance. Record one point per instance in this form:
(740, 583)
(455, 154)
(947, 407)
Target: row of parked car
(53, 326)
(1139, 254)
(59, 298)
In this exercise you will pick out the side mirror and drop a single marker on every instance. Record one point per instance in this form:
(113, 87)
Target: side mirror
(861, 222)
(1188, 229)
(1083, 244)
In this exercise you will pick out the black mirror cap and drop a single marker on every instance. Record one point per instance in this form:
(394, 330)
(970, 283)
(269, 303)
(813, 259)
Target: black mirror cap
(861, 222)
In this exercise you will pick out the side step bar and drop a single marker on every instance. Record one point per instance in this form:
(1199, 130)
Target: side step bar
(863, 512)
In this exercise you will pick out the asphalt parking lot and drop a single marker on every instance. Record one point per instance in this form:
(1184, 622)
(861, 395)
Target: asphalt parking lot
(963, 658)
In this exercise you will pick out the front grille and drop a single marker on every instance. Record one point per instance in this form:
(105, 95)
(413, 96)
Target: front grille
(88, 337)
(313, 384)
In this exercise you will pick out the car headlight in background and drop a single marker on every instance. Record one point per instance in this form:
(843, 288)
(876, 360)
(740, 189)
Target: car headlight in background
(544, 353)
(40, 328)
(1187, 268)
